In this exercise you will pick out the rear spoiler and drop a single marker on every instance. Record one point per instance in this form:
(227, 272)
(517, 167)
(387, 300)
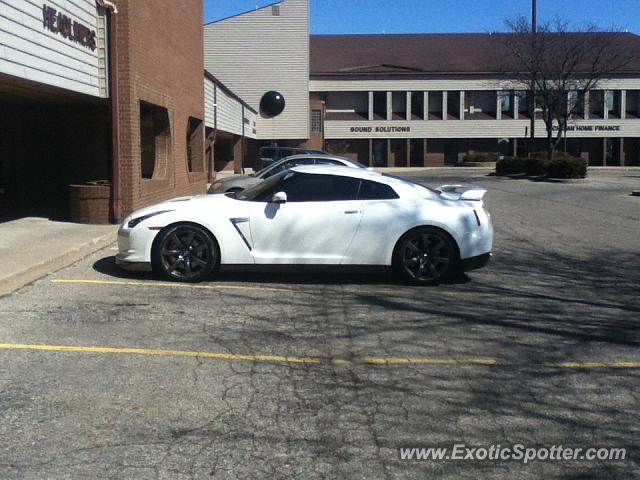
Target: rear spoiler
(462, 192)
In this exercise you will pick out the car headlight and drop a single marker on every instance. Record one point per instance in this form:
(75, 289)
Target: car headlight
(137, 220)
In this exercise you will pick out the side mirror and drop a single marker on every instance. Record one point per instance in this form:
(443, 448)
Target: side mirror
(279, 197)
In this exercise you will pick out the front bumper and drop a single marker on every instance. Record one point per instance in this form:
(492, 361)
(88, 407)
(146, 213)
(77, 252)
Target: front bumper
(474, 263)
(133, 266)
(132, 250)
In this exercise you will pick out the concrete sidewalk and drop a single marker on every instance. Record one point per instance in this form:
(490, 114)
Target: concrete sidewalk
(31, 248)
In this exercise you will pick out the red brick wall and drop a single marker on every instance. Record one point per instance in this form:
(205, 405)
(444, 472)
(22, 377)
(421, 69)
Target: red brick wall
(159, 60)
(316, 139)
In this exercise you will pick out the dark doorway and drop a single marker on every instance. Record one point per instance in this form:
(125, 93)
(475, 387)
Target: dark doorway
(379, 153)
(416, 152)
(451, 151)
(45, 146)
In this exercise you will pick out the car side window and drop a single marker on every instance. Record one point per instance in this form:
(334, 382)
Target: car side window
(328, 161)
(319, 188)
(376, 191)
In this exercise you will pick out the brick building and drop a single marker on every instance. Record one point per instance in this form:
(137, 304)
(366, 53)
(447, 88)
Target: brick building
(158, 98)
(100, 91)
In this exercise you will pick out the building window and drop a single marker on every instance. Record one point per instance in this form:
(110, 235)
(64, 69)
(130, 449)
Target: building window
(417, 106)
(506, 101)
(633, 104)
(596, 104)
(275, 10)
(195, 145)
(480, 105)
(575, 104)
(380, 106)
(614, 103)
(155, 140)
(316, 121)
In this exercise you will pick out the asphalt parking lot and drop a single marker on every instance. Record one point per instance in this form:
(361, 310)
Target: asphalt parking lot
(254, 376)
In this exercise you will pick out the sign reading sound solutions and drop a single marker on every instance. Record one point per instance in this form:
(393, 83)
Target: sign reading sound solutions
(58, 22)
(380, 129)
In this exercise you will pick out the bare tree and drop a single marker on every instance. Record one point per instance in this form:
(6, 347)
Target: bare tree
(558, 67)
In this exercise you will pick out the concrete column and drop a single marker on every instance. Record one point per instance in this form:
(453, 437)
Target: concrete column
(514, 153)
(445, 98)
(238, 153)
(424, 152)
(389, 105)
(370, 116)
(408, 155)
(498, 106)
(391, 162)
(462, 104)
(605, 142)
(370, 163)
(426, 106)
(623, 104)
(408, 112)
(605, 111)
(586, 105)
(516, 106)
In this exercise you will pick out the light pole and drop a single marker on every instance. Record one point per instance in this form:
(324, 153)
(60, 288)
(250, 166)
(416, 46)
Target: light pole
(534, 15)
(532, 93)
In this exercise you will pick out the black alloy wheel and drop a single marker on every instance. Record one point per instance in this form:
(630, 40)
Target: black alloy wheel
(425, 255)
(186, 253)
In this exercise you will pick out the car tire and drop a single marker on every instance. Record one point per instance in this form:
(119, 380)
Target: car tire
(425, 255)
(185, 253)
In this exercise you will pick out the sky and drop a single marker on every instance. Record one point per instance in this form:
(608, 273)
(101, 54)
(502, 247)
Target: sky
(420, 16)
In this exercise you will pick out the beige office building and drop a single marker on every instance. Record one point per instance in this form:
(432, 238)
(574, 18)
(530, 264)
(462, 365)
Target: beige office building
(404, 100)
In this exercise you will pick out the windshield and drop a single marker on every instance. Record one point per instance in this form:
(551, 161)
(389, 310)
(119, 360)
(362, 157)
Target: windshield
(261, 171)
(256, 191)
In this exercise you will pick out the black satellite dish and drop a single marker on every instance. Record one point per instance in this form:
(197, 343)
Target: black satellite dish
(272, 104)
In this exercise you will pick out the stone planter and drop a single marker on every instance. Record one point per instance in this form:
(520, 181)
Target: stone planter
(90, 203)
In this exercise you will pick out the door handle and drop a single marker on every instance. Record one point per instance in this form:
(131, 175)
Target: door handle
(351, 212)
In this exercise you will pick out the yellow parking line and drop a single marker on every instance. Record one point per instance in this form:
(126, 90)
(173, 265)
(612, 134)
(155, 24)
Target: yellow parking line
(455, 361)
(168, 284)
(426, 361)
(593, 365)
(253, 357)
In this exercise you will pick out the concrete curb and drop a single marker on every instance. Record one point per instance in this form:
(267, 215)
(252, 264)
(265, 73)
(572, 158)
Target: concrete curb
(34, 272)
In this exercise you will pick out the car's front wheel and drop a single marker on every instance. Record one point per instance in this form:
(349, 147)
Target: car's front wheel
(185, 253)
(425, 255)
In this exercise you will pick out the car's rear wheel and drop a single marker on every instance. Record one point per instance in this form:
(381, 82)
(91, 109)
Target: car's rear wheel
(185, 253)
(425, 255)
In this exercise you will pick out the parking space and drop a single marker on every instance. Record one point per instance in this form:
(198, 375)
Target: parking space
(258, 375)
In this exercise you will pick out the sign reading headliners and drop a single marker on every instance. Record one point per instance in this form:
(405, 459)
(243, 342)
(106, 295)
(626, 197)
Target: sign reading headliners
(58, 22)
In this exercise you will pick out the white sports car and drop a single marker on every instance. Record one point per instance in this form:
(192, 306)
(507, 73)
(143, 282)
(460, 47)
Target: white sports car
(314, 215)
